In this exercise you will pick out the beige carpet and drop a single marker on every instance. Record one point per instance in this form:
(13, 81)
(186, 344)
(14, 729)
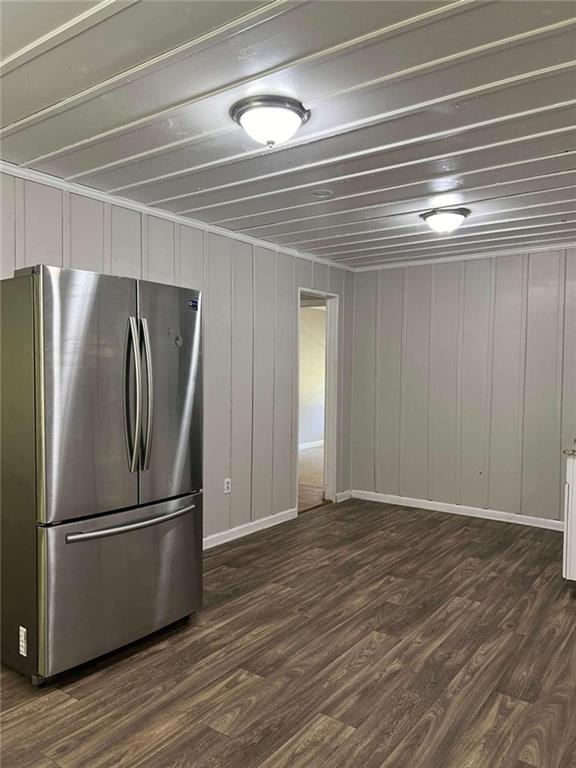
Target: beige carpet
(310, 477)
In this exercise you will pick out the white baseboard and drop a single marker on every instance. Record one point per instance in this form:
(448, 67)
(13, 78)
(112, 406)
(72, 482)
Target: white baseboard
(216, 539)
(313, 444)
(457, 509)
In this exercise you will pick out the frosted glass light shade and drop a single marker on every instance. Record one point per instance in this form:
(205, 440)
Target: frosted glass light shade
(270, 125)
(445, 221)
(270, 120)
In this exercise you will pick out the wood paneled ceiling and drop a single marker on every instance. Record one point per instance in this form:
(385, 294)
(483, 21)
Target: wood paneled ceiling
(414, 105)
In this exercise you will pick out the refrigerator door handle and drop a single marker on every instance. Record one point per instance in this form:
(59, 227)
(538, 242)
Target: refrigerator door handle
(150, 383)
(132, 443)
(72, 538)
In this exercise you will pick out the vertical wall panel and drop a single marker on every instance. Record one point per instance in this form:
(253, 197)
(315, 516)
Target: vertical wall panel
(284, 346)
(501, 367)
(336, 285)
(347, 348)
(569, 373)
(242, 370)
(190, 257)
(42, 236)
(159, 257)
(107, 235)
(126, 251)
(415, 376)
(66, 228)
(8, 226)
(542, 428)
(364, 374)
(86, 233)
(388, 380)
(304, 273)
(507, 386)
(263, 416)
(320, 276)
(217, 375)
(442, 443)
(474, 422)
(303, 278)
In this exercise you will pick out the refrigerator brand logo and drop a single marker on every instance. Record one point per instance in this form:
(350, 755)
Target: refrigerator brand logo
(193, 304)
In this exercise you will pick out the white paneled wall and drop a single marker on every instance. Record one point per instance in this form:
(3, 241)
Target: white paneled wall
(415, 380)
(443, 383)
(158, 250)
(508, 358)
(126, 242)
(218, 381)
(364, 381)
(569, 368)
(390, 298)
(465, 381)
(7, 225)
(84, 233)
(285, 301)
(242, 346)
(263, 421)
(250, 297)
(346, 363)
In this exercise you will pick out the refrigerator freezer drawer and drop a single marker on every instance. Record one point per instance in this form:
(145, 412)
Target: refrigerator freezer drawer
(110, 580)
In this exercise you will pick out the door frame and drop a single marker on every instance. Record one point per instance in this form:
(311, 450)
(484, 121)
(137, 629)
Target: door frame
(330, 395)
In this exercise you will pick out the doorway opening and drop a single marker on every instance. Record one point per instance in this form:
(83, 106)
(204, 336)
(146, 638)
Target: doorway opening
(317, 322)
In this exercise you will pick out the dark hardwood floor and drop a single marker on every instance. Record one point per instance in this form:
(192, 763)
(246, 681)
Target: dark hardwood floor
(358, 635)
(310, 478)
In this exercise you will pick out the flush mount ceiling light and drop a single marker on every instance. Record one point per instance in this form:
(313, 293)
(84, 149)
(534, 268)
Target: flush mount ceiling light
(270, 119)
(445, 220)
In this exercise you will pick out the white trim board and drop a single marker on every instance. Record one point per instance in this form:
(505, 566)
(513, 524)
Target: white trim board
(216, 539)
(420, 262)
(79, 189)
(455, 509)
(124, 202)
(313, 444)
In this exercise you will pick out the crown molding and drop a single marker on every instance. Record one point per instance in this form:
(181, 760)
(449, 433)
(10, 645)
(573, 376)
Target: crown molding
(466, 257)
(79, 189)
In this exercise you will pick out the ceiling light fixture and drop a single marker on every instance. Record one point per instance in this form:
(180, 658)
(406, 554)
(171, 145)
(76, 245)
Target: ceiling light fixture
(270, 120)
(445, 220)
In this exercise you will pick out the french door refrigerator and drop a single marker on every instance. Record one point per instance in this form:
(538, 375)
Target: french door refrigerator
(101, 440)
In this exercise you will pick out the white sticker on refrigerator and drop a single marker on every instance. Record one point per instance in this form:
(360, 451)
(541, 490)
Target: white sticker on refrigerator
(23, 641)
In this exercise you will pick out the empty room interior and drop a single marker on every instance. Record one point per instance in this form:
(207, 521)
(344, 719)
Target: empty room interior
(311, 401)
(288, 383)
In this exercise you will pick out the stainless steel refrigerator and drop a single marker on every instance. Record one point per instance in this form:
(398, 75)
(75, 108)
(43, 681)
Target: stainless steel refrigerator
(101, 464)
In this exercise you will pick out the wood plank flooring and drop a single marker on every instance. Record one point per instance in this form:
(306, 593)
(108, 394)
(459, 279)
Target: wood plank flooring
(359, 635)
(310, 477)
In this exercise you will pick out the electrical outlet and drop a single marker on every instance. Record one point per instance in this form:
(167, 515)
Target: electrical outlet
(23, 641)
(227, 485)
